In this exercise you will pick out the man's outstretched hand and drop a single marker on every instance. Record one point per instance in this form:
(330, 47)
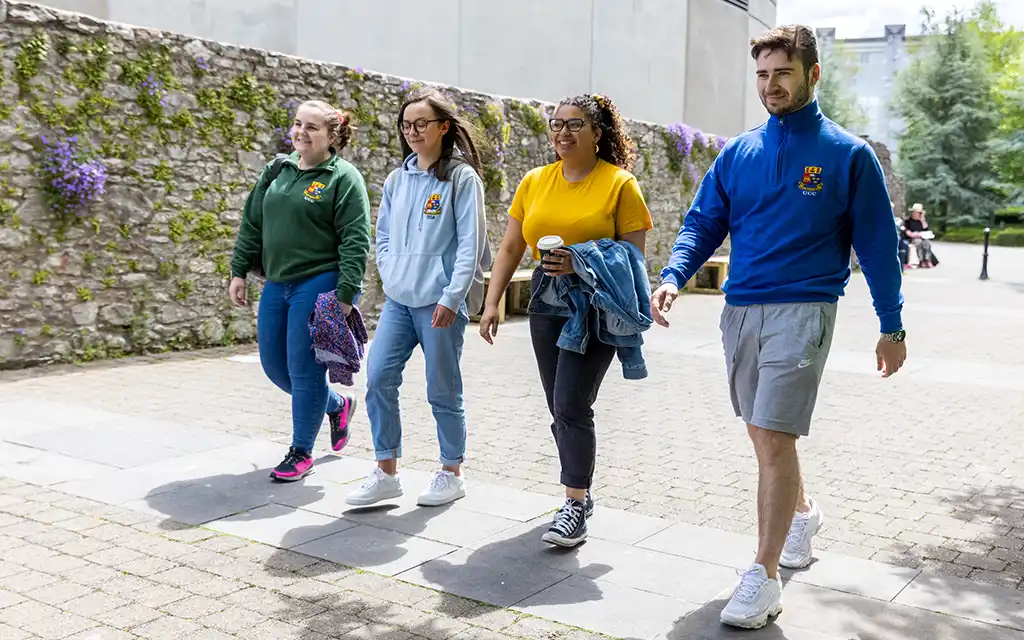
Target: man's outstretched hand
(890, 355)
(661, 302)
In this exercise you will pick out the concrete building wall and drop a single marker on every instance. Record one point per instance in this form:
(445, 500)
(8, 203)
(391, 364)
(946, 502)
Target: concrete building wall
(661, 60)
(878, 62)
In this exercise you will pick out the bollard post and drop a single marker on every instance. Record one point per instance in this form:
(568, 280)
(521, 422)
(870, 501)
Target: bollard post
(984, 257)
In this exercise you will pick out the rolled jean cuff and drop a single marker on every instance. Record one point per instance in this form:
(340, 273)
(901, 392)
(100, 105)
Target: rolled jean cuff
(388, 454)
(453, 462)
(576, 482)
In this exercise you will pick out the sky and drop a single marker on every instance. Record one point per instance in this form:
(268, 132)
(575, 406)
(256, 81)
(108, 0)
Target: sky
(867, 18)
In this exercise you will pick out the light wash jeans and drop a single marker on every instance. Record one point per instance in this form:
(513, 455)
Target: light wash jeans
(286, 352)
(399, 330)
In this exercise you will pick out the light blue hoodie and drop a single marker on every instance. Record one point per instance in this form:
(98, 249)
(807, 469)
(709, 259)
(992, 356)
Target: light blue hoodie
(429, 250)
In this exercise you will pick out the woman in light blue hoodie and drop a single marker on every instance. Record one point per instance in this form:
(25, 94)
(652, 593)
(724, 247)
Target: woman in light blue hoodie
(431, 254)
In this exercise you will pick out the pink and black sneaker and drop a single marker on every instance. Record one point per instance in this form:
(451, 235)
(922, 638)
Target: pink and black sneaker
(339, 422)
(295, 466)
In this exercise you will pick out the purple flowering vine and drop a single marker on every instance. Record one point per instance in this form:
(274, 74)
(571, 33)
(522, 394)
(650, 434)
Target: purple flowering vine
(152, 97)
(283, 133)
(70, 182)
(202, 64)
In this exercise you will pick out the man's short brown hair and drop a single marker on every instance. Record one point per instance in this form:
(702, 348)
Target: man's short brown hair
(795, 39)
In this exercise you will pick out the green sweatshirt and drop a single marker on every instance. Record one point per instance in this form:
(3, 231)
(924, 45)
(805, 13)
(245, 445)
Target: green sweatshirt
(309, 221)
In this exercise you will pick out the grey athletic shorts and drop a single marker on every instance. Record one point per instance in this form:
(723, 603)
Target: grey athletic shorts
(775, 355)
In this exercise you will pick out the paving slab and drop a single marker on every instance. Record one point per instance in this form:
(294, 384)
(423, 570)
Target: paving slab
(487, 577)
(967, 599)
(447, 524)
(280, 526)
(607, 608)
(44, 468)
(384, 552)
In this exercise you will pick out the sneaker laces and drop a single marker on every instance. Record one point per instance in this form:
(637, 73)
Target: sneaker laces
(750, 585)
(293, 457)
(568, 518)
(373, 479)
(796, 533)
(441, 481)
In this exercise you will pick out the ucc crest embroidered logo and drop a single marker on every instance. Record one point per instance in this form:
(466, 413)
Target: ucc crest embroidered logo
(811, 180)
(433, 205)
(314, 192)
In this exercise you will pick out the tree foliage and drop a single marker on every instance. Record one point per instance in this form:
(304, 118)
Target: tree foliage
(1004, 50)
(835, 94)
(947, 101)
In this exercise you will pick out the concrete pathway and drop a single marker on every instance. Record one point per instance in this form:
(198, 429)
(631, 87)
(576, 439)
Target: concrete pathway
(136, 500)
(164, 530)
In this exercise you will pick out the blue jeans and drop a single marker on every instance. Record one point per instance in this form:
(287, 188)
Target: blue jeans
(399, 330)
(286, 352)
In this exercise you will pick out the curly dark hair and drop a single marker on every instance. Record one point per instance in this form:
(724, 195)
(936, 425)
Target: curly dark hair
(615, 145)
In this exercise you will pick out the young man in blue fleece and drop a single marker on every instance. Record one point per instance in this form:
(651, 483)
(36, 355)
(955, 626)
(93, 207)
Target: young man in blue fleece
(794, 195)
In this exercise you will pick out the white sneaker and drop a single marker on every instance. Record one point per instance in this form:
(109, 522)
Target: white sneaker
(755, 599)
(796, 554)
(444, 488)
(377, 486)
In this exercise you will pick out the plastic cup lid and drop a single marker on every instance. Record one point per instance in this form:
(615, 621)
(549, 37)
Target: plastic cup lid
(548, 243)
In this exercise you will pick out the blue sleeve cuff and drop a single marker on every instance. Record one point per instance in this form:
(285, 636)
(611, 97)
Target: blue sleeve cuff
(890, 322)
(670, 277)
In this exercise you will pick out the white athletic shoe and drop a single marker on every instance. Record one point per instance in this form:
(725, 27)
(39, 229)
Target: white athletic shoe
(755, 599)
(377, 486)
(444, 488)
(797, 553)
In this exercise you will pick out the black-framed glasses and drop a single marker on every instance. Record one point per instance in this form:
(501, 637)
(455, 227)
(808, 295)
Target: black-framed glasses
(574, 124)
(420, 124)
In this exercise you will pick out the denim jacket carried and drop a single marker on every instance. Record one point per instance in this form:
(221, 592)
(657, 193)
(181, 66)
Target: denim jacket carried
(609, 295)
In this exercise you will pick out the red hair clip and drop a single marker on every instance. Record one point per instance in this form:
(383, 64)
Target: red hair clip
(341, 116)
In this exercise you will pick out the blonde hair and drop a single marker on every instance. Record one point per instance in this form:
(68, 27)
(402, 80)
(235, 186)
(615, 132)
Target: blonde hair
(339, 124)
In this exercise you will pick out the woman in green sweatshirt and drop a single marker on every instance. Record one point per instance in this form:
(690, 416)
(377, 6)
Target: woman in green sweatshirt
(308, 228)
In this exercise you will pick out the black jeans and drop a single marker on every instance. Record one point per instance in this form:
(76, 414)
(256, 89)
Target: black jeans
(571, 382)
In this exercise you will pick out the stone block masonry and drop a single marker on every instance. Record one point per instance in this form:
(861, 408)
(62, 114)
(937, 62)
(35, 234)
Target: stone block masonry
(126, 155)
(179, 128)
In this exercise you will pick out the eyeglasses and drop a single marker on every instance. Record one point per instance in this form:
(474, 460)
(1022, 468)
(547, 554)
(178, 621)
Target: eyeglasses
(420, 125)
(574, 124)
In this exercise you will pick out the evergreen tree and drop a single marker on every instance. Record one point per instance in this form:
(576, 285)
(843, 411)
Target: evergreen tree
(835, 96)
(1004, 48)
(946, 99)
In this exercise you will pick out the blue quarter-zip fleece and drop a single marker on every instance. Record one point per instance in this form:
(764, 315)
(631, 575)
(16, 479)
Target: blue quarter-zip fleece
(429, 250)
(794, 194)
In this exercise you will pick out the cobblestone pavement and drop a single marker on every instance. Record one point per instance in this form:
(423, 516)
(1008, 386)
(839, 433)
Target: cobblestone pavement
(922, 470)
(82, 570)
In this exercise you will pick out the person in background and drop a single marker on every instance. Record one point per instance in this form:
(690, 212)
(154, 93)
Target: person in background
(794, 195)
(588, 193)
(915, 228)
(904, 246)
(309, 232)
(431, 254)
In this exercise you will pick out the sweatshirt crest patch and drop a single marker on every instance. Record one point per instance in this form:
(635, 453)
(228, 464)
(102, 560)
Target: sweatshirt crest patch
(433, 205)
(811, 180)
(314, 192)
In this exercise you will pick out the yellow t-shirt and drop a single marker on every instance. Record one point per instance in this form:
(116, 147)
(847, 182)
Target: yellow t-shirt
(605, 204)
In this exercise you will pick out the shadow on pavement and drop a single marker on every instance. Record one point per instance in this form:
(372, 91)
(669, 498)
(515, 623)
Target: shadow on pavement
(200, 500)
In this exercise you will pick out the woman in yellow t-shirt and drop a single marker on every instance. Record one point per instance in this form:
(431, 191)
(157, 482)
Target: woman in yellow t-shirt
(587, 194)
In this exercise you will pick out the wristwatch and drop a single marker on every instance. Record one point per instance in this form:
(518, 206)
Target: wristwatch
(895, 336)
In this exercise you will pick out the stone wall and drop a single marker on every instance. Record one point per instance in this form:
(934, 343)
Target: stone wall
(175, 130)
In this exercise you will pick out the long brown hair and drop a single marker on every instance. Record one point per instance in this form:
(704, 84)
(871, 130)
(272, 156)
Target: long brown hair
(460, 134)
(615, 146)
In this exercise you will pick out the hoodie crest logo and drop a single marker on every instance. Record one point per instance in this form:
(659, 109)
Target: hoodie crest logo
(314, 192)
(433, 205)
(811, 180)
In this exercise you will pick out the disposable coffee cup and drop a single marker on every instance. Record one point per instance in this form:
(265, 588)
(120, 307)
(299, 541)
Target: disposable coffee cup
(547, 244)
